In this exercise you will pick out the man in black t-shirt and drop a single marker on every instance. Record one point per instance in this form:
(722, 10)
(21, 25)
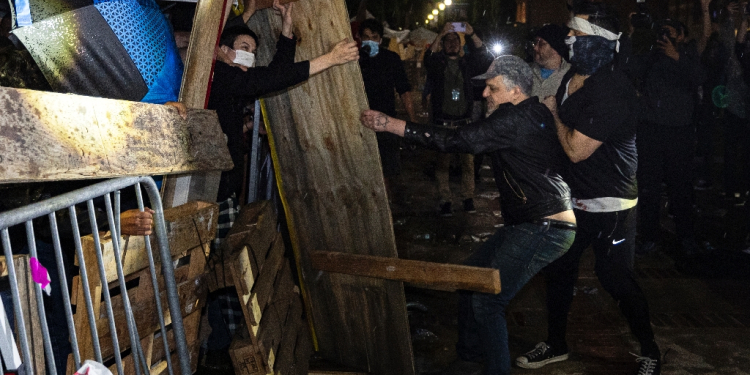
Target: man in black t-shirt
(383, 72)
(596, 125)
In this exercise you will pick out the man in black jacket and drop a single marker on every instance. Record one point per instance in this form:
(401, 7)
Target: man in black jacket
(527, 159)
(453, 101)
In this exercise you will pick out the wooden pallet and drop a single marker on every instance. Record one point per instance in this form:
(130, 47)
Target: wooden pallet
(270, 300)
(191, 228)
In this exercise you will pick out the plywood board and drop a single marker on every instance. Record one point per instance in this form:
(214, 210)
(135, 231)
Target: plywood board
(47, 136)
(331, 181)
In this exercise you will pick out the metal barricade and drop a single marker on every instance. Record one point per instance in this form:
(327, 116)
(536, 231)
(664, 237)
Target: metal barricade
(68, 200)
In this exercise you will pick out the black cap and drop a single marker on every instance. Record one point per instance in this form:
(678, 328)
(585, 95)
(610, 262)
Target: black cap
(554, 35)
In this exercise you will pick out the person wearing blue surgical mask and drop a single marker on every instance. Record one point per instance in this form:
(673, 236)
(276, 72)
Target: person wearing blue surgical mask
(383, 72)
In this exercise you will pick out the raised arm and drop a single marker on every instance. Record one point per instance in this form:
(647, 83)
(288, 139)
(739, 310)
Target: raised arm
(342, 53)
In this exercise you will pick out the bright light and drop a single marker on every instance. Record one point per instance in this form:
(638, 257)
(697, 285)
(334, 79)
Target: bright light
(435, 12)
(448, 2)
(430, 16)
(441, 6)
(497, 48)
(427, 22)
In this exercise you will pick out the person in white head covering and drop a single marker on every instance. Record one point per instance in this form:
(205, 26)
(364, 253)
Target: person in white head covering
(595, 115)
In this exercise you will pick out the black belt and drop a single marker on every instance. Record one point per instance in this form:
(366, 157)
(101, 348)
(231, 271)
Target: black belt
(552, 223)
(465, 121)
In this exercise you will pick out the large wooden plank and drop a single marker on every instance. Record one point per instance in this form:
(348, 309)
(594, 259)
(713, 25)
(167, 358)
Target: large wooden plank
(209, 19)
(334, 194)
(48, 136)
(441, 276)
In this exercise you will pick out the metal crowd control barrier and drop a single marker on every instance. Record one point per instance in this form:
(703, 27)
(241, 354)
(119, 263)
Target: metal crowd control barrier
(69, 200)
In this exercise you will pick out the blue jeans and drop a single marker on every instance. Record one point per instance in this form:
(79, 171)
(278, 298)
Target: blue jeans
(519, 252)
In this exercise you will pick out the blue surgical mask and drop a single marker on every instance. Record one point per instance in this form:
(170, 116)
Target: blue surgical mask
(590, 52)
(372, 47)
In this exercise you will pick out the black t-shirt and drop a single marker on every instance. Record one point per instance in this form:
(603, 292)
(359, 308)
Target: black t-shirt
(381, 74)
(604, 109)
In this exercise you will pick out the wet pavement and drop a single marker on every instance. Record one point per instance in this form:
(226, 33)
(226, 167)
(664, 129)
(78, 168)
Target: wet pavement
(700, 307)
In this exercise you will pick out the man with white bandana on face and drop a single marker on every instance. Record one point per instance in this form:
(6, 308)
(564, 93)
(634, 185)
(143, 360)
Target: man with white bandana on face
(596, 125)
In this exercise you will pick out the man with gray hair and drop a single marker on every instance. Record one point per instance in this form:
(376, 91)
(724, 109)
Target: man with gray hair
(519, 135)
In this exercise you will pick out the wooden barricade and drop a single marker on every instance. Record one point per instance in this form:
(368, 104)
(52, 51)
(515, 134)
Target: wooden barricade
(29, 307)
(190, 229)
(277, 339)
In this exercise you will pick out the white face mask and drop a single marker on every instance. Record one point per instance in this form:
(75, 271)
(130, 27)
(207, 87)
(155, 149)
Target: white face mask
(244, 58)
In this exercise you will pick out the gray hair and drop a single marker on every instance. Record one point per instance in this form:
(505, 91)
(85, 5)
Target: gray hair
(515, 72)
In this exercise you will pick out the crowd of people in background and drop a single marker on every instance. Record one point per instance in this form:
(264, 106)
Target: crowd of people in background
(635, 110)
(582, 136)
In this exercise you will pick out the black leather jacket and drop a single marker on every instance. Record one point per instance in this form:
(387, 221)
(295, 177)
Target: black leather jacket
(527, 159)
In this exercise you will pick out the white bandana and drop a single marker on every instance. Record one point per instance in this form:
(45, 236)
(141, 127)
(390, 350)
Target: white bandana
(584, 26)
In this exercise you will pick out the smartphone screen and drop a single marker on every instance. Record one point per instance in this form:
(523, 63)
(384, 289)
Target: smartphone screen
(459, 27)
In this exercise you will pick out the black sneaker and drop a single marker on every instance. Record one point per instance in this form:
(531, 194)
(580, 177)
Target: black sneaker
(539, 356)
(648, 366)
(469, 206)
(445, 209)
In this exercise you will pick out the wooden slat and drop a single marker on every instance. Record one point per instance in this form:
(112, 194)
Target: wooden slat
(208, 21)
(47, 136)
(192, 325)
(303, 349)
(29, 307)
(292, 325)
(255, 288)
(440, 276)
(263, 289)
(246, 358)
(269, 335)
(331, 181)
(188, 226)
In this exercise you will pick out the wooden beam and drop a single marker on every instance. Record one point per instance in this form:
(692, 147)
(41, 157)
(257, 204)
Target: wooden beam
(441, 276)
(47, 136)
(334, 196)
(209, 19)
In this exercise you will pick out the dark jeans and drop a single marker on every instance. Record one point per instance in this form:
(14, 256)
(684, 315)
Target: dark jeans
(736, 154)
(519, 252)
(665, 154)
(612, 236)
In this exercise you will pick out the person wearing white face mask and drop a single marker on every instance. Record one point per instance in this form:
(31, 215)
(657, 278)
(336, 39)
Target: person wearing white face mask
(238, 81)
